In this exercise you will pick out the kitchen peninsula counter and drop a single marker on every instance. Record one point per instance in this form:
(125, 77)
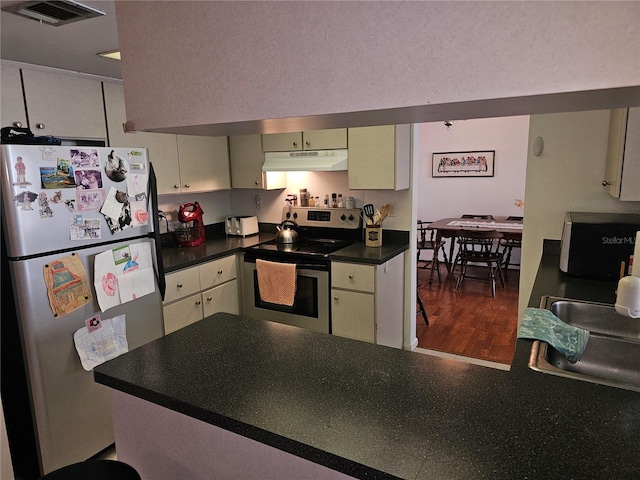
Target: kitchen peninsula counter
(370, 411)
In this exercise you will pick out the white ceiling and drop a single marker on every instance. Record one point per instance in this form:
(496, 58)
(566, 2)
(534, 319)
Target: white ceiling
(69, 47)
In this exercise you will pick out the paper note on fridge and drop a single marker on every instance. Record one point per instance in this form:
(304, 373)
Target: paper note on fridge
(101, 344)
(112, 206)
(123, 274)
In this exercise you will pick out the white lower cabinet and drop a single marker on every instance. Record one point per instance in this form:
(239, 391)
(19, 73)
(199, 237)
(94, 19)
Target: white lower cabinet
(198, 292)
(353, 315)
(367, 301)
(223, 298)
(182, 313)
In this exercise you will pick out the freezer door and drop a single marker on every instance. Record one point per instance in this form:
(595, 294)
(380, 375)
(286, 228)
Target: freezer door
(72, 412)
(52, 196)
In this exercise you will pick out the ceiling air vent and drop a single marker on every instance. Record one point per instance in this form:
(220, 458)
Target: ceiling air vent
(56, 13)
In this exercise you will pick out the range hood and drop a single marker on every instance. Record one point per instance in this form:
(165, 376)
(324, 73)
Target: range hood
(306, 161)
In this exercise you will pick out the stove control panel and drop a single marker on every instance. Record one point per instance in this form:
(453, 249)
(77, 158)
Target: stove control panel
(349, 218)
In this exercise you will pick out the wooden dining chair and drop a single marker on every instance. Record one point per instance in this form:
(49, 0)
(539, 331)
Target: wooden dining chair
(426, 242)
(422, 310)
(469, 216)
(480, 247)
(508, 243)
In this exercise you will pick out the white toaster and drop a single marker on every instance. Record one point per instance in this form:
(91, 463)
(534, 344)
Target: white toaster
(242, 226)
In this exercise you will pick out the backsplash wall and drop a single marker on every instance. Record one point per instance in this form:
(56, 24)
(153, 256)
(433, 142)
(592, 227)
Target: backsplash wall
(214, 204)
(220, 204)
(243, 202)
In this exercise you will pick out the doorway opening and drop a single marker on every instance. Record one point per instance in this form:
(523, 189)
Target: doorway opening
(471, 323)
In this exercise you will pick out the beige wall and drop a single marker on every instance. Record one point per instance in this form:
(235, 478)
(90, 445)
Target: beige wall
(228, 63)
(566, 177)
(451, 197)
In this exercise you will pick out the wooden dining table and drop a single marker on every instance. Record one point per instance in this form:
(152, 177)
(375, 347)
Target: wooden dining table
(447, 228)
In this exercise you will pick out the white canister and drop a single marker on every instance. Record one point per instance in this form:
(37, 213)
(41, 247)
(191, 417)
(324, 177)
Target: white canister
(351, 202)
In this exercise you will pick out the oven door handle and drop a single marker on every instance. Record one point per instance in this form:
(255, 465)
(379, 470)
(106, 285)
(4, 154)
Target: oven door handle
(309, 266)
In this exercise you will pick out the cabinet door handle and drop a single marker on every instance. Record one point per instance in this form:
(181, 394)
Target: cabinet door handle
(605, 183)
(40, 126)
(17, 124)
(186, 185)
(336, 298)
(257, 182)
(308, 143)
(295, 144)
(219, 272)
(198, 302)
(179, 285)
(176, 186)
(350, 277)
(209, 299)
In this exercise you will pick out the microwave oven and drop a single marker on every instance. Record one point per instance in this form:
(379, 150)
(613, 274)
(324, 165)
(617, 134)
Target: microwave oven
(598, 245)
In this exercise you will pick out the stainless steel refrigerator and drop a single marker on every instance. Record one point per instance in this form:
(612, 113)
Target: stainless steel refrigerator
(58, 202)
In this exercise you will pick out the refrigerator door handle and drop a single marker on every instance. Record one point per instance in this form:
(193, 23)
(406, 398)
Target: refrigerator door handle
(155, 235)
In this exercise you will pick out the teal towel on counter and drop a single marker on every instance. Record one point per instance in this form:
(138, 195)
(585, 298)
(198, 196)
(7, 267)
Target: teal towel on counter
(541, 324)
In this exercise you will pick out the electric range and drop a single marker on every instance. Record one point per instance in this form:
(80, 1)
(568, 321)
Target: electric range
(322, 231)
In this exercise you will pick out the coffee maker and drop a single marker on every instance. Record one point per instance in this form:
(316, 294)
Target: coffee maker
(190, 232)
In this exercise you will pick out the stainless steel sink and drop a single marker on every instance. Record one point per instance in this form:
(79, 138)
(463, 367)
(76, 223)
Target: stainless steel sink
(612, 354)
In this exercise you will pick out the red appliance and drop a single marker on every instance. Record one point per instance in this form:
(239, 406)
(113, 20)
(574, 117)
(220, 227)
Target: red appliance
(191, 232)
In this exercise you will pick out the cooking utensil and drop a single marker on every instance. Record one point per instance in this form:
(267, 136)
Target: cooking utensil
(287, 232)
(369, 211)
(384, 211)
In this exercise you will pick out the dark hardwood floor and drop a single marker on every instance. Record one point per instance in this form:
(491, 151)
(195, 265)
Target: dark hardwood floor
(470, 323)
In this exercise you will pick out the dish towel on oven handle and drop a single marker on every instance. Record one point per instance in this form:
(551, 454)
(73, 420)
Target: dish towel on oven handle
(276, 282)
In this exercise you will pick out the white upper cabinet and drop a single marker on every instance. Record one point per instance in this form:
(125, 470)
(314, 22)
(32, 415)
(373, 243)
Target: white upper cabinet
(64, 105)
(282, 142)
(622, 171)
(379, 157)
(12, 100)
(162, 147)
(182, 163)
(327, 139)
(246, 158)
(204, 163)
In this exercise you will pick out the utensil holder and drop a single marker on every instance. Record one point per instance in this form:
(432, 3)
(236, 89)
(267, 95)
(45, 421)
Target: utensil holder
(373, 236)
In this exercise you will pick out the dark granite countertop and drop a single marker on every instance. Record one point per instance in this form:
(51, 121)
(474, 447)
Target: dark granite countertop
(360, 253)
(376, 412)
(215, 246)
(219, 245)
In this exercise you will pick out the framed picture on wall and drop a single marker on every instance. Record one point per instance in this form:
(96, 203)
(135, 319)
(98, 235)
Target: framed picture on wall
(463, 164)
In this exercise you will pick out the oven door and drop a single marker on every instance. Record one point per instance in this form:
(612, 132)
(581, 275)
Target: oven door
(310, 308)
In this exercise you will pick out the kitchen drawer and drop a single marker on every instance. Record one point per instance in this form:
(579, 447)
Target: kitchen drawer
(353, 315)
(223, 298)
(182, 313)
(182, 283)
(217, 272)
(353, 276)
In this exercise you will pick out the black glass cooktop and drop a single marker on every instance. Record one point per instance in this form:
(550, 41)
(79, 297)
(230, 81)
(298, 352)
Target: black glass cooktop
(307, 246)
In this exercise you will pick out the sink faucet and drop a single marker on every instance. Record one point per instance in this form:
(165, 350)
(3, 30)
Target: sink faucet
(628, 293)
